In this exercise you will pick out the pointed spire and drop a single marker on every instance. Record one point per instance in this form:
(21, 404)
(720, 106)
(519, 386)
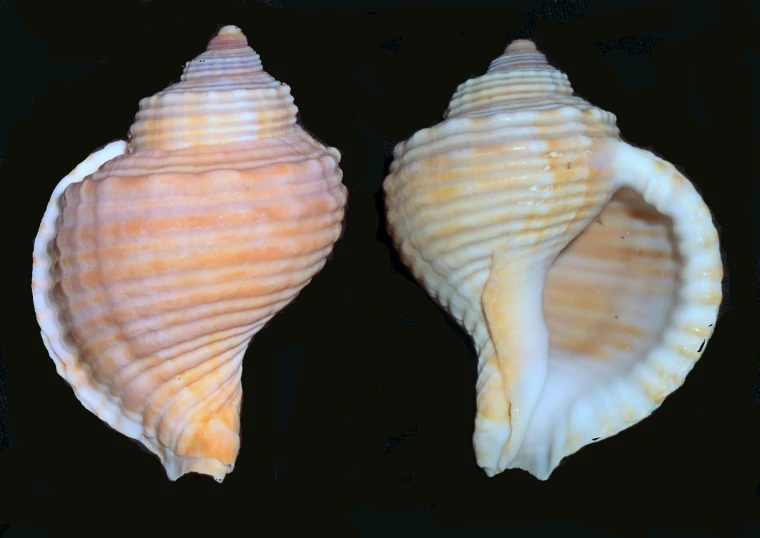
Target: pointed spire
(526, 79)
(519, 53)
(223, 96)
(228, 37)
(519, 46)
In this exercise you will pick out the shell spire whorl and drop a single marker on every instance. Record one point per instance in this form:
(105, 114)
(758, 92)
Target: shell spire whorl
(223, 97)
(520, 79)
(228, 37)
(520, 53)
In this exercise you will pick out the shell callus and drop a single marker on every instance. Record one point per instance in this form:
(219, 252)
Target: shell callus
(587, 271)
(158, 259)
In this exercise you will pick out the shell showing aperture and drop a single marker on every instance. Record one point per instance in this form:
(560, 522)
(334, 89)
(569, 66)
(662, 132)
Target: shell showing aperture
(158, 260)
(587, 271)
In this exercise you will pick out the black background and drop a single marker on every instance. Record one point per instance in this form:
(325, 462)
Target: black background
(359, 396)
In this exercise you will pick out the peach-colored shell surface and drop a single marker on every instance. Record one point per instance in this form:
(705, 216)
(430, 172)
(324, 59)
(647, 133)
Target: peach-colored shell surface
(587, 271)
(158, 259)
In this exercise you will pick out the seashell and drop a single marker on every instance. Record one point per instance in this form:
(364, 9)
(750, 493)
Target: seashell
(587, 271)
(159, 258)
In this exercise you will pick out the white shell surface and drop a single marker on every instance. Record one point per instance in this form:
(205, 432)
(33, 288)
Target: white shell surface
(587, 271)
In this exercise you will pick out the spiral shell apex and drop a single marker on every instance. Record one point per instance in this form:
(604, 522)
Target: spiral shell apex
(159, 258)
(587, 271)
(223, 97)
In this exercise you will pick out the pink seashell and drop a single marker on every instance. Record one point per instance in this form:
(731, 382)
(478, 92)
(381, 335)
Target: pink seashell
(159, 259)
